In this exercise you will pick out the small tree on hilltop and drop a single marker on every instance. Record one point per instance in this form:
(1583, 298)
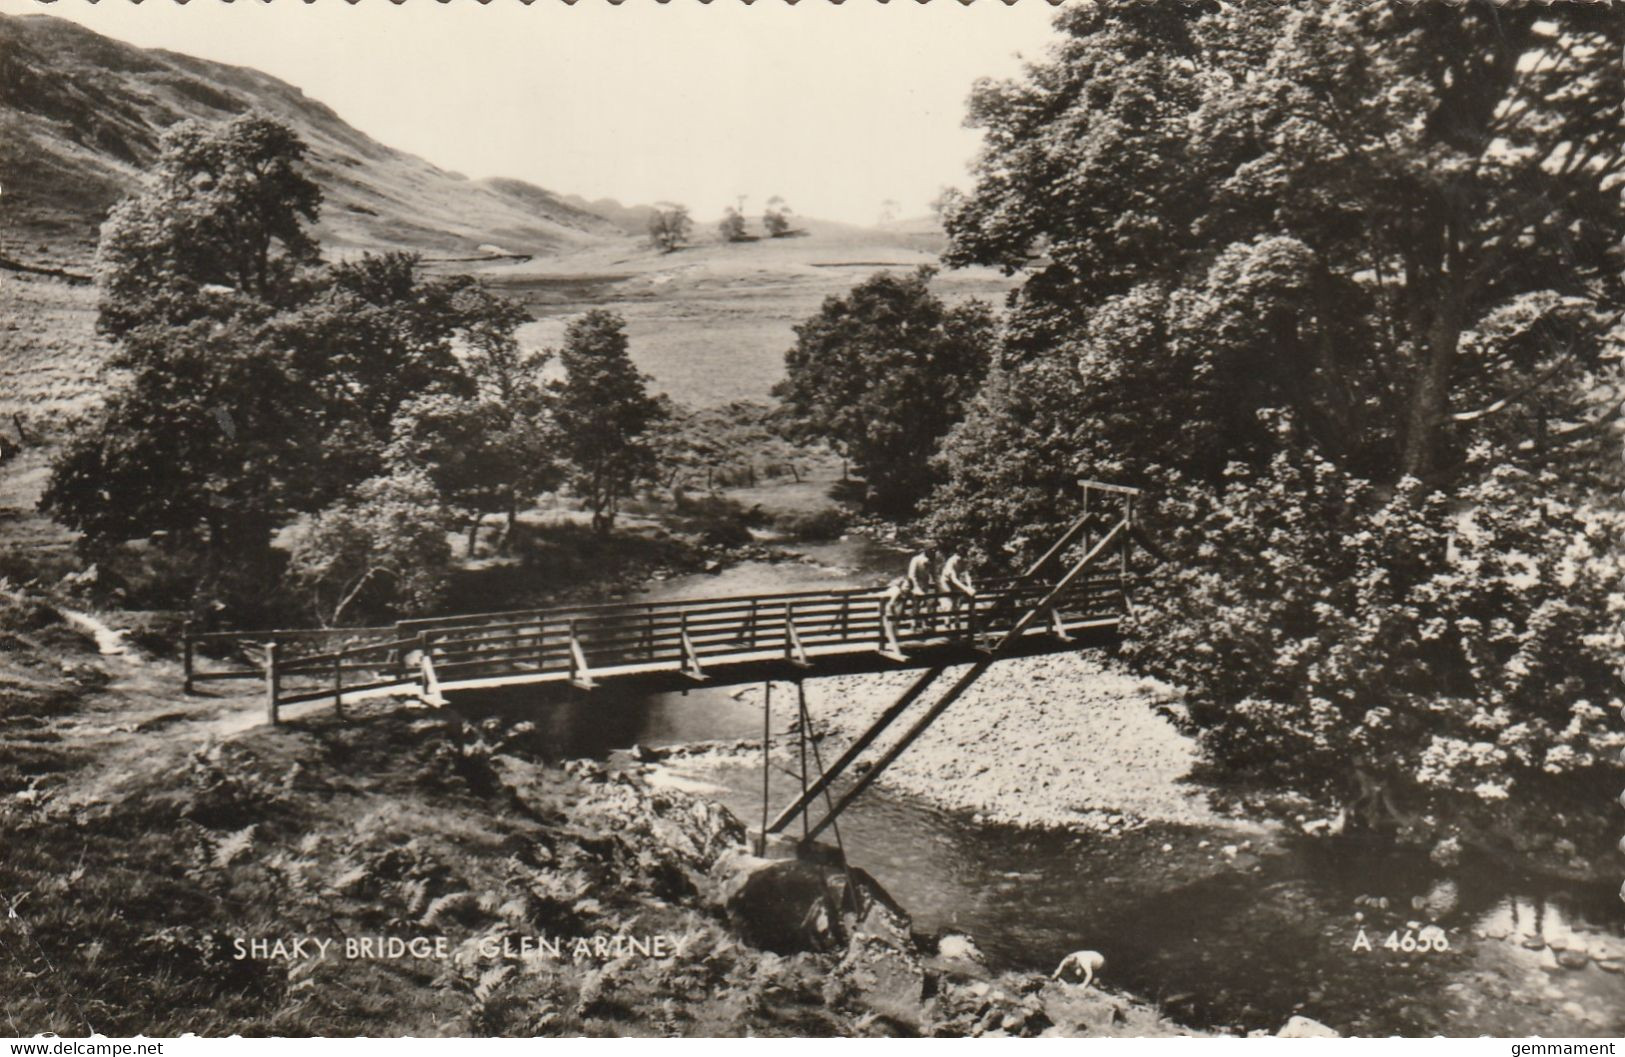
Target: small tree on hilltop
(732, 226)
(604, 415)
(777, 218)
(669, 226)
(883, 373)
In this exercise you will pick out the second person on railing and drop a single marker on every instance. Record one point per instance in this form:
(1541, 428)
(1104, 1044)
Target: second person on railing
(953, 580)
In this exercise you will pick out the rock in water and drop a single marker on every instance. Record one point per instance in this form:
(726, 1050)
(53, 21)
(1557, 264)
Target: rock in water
(1304, 1028)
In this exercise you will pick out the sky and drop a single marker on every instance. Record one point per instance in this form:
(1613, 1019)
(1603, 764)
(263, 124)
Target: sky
(835, 108)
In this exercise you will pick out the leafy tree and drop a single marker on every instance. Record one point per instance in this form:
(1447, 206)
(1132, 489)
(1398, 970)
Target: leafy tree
(777, 217)
(604, 415)
(374, 335)
(882, 374)
(483, 456)
(732, 226)
(249, 384)
(223, 212)
(195, 445)
(669, 226)
(1345, 278)
(1321, 207)
(381, 551)
(204, 408)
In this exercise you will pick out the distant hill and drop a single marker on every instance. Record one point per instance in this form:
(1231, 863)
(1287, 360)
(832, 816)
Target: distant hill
(633, 220)
(81, 115)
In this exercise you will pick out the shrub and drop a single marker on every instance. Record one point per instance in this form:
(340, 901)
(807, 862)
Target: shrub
(1435, 662)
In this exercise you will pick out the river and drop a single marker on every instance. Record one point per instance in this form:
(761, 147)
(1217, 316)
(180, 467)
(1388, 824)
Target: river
(1225, 927)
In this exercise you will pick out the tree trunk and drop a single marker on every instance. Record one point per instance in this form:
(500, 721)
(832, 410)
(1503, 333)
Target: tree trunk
(1430, 398)
(513, 523)
(473, 535)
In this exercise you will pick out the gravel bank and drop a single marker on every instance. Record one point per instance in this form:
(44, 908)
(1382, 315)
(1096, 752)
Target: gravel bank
(1069, 740)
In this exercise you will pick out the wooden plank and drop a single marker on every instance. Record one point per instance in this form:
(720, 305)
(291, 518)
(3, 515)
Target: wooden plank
(1102, 486)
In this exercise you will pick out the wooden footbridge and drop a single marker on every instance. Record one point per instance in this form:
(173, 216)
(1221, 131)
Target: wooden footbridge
(1071, 598)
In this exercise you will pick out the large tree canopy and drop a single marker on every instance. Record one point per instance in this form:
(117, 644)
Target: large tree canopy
(1344, 281)
(1402, 222)
(223, 211)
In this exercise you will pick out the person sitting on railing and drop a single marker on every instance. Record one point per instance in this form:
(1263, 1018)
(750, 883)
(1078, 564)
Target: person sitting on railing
(920, 585)
(953, 580)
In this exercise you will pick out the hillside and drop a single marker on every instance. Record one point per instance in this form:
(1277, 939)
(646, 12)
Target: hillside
(633, 220)
(81, 114)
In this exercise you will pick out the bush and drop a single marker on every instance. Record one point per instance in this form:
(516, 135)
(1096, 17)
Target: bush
(1436, 663)
(714, 520)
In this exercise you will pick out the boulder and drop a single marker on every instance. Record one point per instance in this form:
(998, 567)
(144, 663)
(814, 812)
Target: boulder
(1300, 1027)
(781, 905)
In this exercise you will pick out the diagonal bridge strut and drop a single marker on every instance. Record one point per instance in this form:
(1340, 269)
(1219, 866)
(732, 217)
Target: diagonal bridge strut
(1119, 536)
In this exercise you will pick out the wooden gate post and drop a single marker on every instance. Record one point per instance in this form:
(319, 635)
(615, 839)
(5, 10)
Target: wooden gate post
(273, 681)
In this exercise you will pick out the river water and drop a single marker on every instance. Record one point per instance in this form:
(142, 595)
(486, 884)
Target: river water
(1226, 927)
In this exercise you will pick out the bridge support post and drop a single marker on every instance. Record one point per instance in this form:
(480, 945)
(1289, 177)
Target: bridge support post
(801, 731)
(826, 777)
(767, 764)
(187, 649)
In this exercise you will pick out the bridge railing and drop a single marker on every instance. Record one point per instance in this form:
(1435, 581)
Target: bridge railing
(575, 642)
(690, 633)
